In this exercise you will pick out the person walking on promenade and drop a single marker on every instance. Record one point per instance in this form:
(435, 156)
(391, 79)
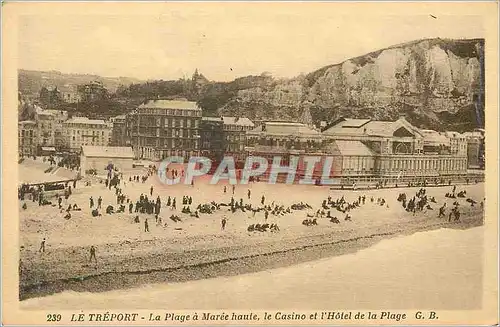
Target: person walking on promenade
(146, 225)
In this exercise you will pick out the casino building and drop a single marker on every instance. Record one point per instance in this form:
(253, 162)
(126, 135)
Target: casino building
(400, 150)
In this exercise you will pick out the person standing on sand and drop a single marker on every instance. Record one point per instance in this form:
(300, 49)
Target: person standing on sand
(42, 246)
(249, 193)
(223, 223)
(234, 187)
(91, 202)
(151, 191)
(99, 202)
(225, 190)
(146, 225)
(263, 200)
(92, 254)
(441, 211)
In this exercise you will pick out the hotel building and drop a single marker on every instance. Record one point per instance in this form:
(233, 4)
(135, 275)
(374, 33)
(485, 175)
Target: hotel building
(81, 131)
(162, 128)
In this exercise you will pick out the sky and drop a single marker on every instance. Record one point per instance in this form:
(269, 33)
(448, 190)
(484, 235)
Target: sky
(221, 41)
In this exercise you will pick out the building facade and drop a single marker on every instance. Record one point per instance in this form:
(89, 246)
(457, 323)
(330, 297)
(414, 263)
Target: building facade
(400, 150)
(212, 140)
(119, 131)
(60, 116)
(475, 149)
(27, 133)
(162, 128)
(235, 134)
(47, 125)
(285, 139)
(99, 157)
(458, 143)
(81, 131)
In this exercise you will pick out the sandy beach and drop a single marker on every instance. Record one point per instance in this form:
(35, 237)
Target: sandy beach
(196, 248)
(455, 283)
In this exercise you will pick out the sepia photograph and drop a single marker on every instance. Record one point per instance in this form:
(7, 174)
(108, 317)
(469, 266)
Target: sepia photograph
(318, 163)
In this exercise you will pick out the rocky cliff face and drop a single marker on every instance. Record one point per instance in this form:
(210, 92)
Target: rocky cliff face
(435, 83)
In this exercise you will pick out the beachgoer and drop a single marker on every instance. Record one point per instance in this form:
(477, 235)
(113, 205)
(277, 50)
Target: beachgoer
(42, 246)
(92, 254)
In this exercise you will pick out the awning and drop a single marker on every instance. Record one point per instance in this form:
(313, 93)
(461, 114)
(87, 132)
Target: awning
(48, 148)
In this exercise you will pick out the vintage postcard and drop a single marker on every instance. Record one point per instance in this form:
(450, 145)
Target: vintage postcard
(273, 163)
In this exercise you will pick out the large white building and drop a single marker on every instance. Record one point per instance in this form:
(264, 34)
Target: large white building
(99, 157)
(81, 131)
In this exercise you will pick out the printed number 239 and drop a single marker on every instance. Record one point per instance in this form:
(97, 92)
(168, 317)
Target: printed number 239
(53, 317)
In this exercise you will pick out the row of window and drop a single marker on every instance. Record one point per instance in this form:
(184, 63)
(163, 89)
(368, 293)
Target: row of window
(424, 164)
(169, 122)
(85, 126)
(169, 143)
(233, 127)
(86, 132)
(171, 112)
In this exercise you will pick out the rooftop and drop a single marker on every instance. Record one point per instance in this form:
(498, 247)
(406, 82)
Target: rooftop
(353, 148)
(454, 134)
(169, 104)
(434, 138)
(85, 120)
(348, 126)
(243, 121)
(108, 151)
(285, 129)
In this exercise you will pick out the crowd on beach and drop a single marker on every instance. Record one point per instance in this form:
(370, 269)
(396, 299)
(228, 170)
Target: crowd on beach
(147, 207)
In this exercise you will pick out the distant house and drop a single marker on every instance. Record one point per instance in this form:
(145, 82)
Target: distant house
(69, 93)
(100, 157)
(49, 95)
